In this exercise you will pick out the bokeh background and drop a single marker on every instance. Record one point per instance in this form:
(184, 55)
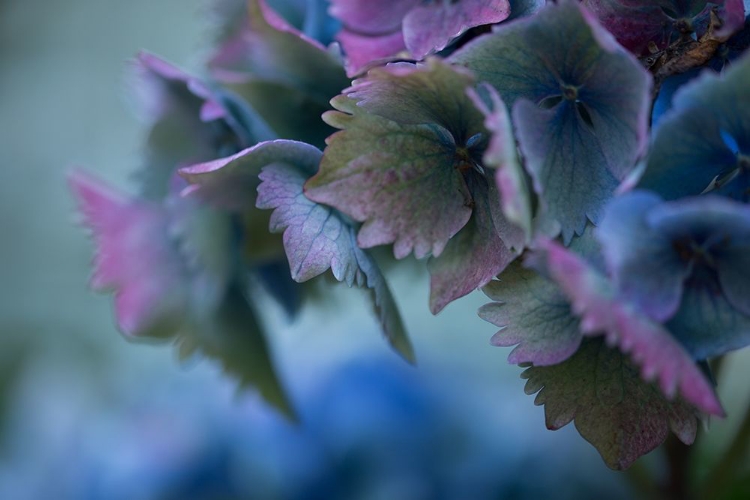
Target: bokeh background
(85, 414)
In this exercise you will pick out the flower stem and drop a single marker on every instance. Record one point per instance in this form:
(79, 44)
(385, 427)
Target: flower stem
(678, 458)
(724, 471)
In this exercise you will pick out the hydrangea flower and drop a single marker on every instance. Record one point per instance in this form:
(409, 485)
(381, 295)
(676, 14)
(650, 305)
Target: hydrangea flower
(703, 142)
(474, 143)
(579, 105)
(666, 287)
(685, 262)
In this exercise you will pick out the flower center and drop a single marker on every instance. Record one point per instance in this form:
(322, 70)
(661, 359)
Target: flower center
(691, 252)
(569, 92)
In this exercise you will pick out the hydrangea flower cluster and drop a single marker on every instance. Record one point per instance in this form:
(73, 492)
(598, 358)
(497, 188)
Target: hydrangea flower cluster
(507, 142)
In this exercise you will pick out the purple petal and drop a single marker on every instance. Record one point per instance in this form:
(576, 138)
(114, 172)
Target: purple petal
(707, 324)
(566, 164)
(365, 51)
(473, 257)
(179, 109)
(648, 343)
(134, 258)
(316, 239)
(169, 267)
(429, 28)
(429, 93)
(722, 227)
(700, 142)
(533, 315)
(269, 49)
(231, 182)
(636, 23)
(399, 180)
(511, 234)
(156, 74)
(633, 26)
(501, 154)
(372, 18)
(263, 14)
(579, 104)
(646, 269)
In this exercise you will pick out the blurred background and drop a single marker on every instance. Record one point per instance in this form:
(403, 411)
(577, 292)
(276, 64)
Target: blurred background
(85, 414)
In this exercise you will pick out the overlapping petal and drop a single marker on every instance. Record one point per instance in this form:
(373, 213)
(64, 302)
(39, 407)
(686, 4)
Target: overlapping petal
(644, 265)
(653, 348)
(533, 315)
(502, 155)
(170, 282)
(430, 27)
(532, 312)
(579, 106)
(316, 237)
(374, 33)
(286, 77)
(399, 168)
(408, 163)
(684, 258)
(189, 122)
(559, 313)
(476, 254)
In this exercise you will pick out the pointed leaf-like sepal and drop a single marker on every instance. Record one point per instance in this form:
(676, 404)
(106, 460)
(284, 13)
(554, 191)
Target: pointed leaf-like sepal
(533, 315)
(502, 155)
(316, 237)
(649, 344)
(170, 281)
(623, 416)
(134, 258)
(477, 253)
(399, 161)
(233, 337)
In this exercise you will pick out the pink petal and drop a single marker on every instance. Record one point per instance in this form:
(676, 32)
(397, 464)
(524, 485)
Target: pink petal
(134, 257)
(650, 346)
(430, 28)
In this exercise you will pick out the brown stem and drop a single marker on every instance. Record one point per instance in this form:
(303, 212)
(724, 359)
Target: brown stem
(677, 486)
(687, 54)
